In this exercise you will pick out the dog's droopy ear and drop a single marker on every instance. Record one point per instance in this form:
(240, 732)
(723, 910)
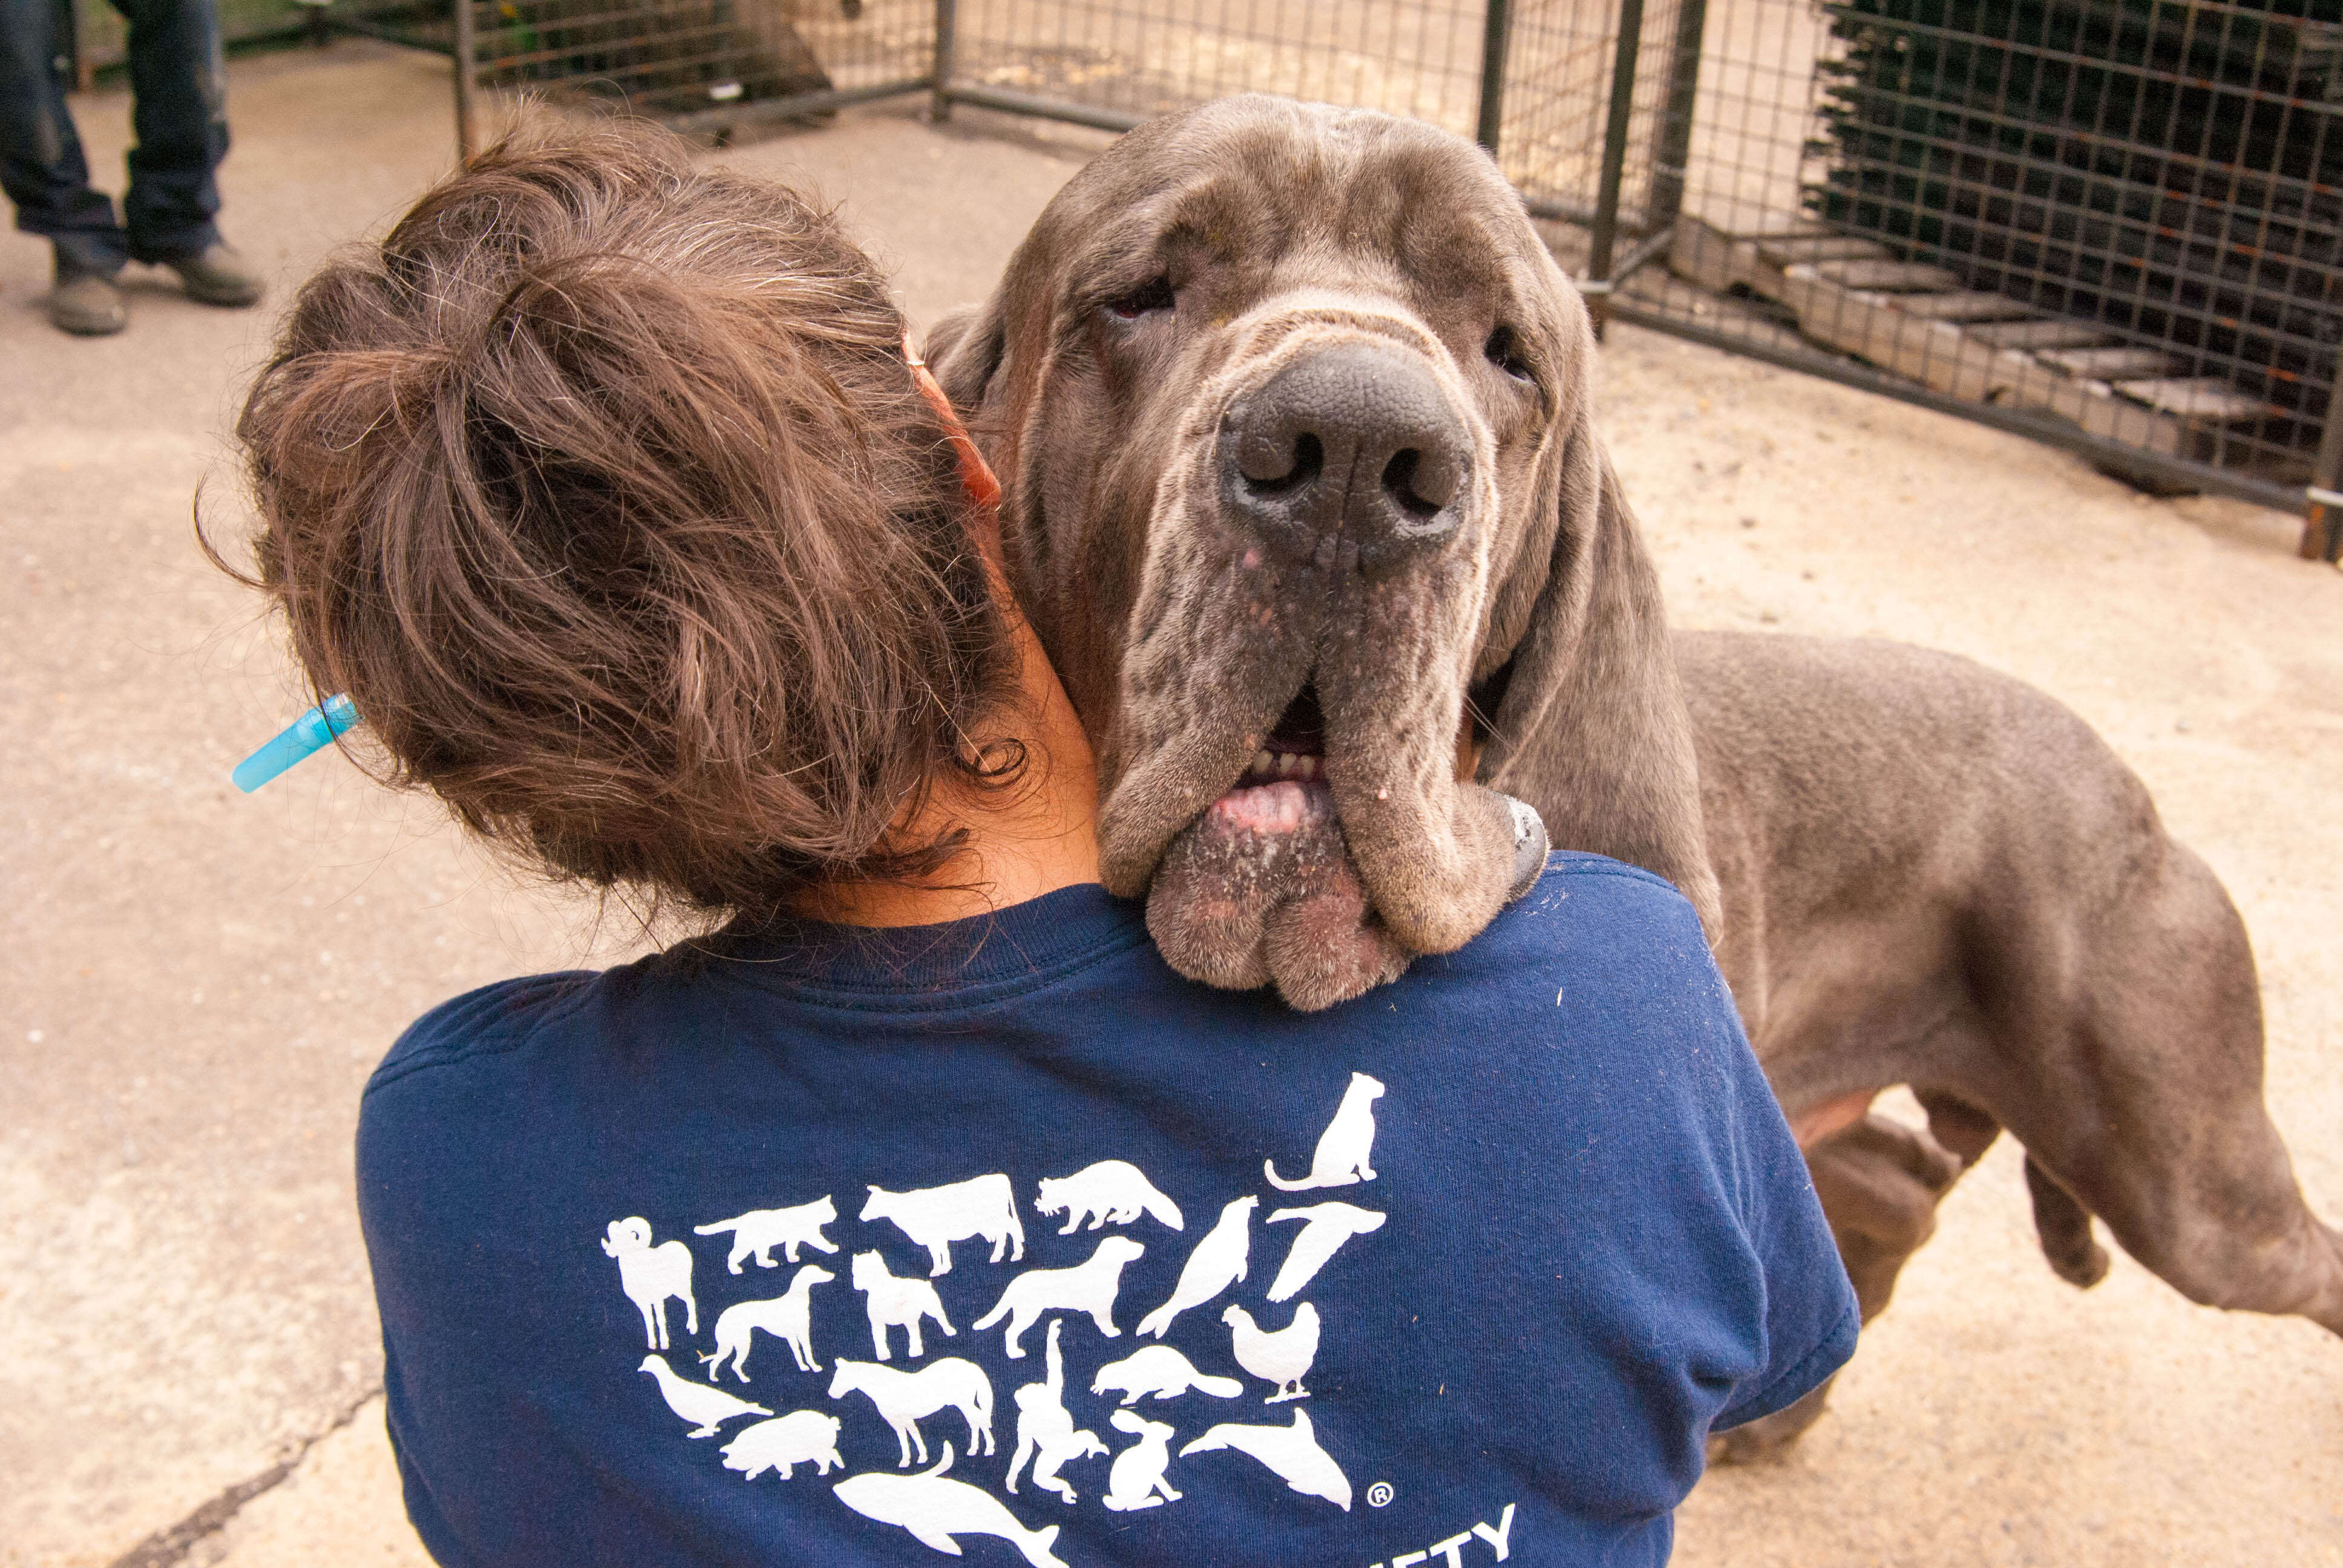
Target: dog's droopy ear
(1592, 730)
(964, 350)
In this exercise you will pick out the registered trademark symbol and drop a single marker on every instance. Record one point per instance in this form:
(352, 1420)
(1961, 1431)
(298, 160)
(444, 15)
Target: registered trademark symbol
(1379, 1495)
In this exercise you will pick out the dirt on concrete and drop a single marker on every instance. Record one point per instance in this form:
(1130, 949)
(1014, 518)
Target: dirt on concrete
(194, 984)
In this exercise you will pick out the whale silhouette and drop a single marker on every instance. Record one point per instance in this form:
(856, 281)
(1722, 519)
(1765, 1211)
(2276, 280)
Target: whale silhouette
(933, 1509)
(1291, 1450)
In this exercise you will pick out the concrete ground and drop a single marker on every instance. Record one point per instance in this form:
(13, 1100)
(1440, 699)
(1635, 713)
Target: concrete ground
(194, 984)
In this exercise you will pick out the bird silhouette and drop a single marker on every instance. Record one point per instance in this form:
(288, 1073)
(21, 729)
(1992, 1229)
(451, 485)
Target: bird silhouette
(707, 1408)
(1283, 1357)
(1218, 1262)
(1329, 1226)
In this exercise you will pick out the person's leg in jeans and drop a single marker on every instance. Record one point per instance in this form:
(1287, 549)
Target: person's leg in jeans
(45, 174)
(178, 90)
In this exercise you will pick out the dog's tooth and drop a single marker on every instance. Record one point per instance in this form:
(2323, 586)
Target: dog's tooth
(1263, 763)
(1285, 762)
(1306, 770)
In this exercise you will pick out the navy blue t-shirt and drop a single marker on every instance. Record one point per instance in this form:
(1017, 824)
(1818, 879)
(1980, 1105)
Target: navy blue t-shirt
(1001, 1240)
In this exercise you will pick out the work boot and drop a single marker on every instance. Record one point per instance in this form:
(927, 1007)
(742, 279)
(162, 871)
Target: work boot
(217, 275)
(85, 303)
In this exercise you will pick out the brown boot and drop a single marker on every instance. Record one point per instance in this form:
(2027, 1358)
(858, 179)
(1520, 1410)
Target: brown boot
(85, 303)
(217, 275)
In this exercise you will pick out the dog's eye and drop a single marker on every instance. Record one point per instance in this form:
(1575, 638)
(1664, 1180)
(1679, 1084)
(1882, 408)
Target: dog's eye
(1155, 293)
(1503, 350)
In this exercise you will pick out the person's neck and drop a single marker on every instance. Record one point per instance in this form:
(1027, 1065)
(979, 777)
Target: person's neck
(1030, 837)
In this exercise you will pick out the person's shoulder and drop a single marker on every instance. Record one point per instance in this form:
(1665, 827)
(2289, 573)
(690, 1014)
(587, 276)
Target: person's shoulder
(1592, 903)
(489, 1021)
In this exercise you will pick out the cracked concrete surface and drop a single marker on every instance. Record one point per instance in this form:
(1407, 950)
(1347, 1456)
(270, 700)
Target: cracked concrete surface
(193, 985)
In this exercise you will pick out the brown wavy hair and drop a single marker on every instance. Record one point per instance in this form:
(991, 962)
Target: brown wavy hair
(602, 488)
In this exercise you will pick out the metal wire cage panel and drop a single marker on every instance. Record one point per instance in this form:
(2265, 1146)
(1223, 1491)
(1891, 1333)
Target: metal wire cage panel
(696, 65)
(1114, 65)
(683, 60)
(2116, 223)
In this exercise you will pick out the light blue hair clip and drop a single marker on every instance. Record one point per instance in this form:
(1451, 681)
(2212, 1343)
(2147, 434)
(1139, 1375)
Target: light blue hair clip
(312, 732)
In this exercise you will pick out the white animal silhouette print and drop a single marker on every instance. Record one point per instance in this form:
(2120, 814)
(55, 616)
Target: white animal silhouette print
(1283, 1357)
(1111, 1192)
(1218, 1262)
(1329, 1226)
(1088, 1287)
(1137, 1478)
(789, 1316)
(1344, 1147)
(706, 1408)
(801, 1437)
(905, 1397)
(936, 1217)
(1292, 1452)
(1045, 1432)
(1161, 1371)
(893, 1303)
(650, 1275)
(759, 1231)
(934, 1509)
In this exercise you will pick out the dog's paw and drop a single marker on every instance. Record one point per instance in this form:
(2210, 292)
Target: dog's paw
(1259, 890)
(1769, 1438)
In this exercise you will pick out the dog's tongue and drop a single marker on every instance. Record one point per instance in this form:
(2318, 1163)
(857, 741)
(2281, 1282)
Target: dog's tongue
(1261, 887)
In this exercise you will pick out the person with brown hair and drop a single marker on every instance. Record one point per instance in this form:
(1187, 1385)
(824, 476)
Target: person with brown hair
(609, 491)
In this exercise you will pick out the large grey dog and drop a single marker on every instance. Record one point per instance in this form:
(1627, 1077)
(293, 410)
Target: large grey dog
(1304, 498)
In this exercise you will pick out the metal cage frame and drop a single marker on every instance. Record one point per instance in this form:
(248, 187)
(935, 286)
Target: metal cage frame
(1874, 274)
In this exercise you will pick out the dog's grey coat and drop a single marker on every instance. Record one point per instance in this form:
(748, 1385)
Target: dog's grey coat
(1915, 870)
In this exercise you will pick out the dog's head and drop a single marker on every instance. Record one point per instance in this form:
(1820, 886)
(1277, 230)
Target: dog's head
(1305, 499)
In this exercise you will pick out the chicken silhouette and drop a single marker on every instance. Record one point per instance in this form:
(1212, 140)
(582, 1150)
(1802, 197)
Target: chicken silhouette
(1329, 1226)
(1282, 1358)
(1218, 1262)
(707, 1408)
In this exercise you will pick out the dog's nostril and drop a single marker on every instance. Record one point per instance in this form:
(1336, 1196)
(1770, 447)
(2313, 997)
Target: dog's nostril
(1272, 468)
(1420, 487)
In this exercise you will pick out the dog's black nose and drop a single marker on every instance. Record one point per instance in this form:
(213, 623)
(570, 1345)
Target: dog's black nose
(1351, 446)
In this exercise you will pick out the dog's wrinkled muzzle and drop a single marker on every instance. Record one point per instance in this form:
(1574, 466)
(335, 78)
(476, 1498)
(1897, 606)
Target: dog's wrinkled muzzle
(1263, 889)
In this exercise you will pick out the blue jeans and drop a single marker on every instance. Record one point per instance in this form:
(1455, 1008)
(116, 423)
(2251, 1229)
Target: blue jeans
(179, 111)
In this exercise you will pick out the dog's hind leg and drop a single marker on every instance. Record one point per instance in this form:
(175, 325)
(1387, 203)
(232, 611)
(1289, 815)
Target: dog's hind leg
(2135, 1083)
(2065, 1228)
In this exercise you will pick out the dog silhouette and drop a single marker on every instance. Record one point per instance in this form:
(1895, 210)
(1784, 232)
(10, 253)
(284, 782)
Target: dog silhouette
(893, 1303)
(789, 1316)
(1089, 1287)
